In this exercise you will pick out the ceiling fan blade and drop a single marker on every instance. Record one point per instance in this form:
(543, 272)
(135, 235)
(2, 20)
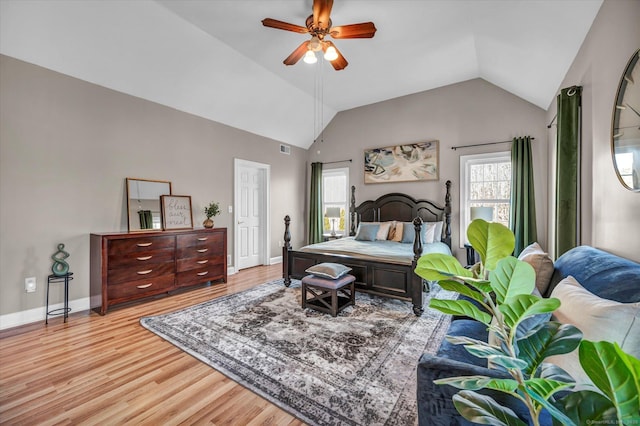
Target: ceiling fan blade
(362, 30)
(321, 13)
(297, 54)
(340, 62)
(280, 25)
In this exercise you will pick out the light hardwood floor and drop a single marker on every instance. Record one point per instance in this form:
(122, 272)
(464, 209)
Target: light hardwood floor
(110, 370)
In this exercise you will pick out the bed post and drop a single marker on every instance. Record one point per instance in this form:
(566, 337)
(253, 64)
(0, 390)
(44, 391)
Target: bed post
(286, 248)
(352, 212)
(416, 281)
(447, 215)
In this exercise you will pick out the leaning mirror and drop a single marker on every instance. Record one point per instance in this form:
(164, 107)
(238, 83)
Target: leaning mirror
(625, 128)
(143, 203)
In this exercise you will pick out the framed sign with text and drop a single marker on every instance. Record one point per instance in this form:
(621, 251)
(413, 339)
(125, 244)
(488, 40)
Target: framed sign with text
(176, 212)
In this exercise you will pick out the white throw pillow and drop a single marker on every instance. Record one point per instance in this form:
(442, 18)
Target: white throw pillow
(598, 319)
(541, 263)
(383, 230)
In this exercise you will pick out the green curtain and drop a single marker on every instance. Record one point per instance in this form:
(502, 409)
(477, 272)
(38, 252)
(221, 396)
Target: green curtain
(316, 223)
(523, 200)
(567, 214)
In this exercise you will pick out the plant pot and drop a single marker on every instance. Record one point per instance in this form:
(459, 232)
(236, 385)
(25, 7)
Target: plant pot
(208, 223)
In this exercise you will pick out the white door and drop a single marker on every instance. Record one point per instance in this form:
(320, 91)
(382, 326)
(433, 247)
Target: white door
(250, 214)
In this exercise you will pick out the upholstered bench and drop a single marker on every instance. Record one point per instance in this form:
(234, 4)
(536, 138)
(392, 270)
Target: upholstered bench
(328, 295)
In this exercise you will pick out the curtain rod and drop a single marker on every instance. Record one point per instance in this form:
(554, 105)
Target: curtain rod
(552, 120)
(481, 144)
(339, 161)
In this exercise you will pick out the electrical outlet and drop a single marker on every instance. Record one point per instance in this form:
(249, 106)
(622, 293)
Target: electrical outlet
(230, 209)
(30, 284)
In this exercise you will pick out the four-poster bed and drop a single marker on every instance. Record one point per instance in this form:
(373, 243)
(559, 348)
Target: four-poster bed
(390, 277)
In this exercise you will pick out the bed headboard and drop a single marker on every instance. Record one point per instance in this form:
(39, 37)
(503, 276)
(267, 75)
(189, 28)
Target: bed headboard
(404, 208)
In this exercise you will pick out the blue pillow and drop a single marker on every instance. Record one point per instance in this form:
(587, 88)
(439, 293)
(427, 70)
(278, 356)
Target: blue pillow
(409, 232)
(367, 231)
(328, 270)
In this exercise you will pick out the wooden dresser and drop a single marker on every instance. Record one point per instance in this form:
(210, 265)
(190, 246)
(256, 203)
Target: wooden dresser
(131, 265)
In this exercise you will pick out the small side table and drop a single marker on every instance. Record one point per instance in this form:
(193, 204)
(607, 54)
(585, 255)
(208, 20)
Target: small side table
(52, 279)
(329, 237)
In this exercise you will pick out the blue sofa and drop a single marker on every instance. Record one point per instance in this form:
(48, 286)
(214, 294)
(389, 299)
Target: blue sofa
(603, 274)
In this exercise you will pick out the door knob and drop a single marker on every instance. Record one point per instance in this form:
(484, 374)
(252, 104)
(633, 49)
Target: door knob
(240, 222)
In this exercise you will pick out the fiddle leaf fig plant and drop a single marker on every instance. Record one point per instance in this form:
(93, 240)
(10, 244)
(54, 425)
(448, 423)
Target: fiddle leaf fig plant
(498, 293)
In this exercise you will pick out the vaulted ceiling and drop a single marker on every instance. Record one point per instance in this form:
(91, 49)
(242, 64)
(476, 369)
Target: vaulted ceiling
(214, 58)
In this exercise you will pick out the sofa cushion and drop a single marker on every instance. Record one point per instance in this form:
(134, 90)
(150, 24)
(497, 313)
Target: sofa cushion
(603, 274)
(598, 319)
(468, 328)
(541, 263)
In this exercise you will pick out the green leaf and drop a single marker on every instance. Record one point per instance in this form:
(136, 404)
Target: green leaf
(586, 405)
(464, 340)
(465, 382)
(517, 308)
(507, 362)
(511, 278)
(503, 385)
(460, 307)
(554, 411)
(546, 387)
(438, 266)
(458, 287)
(493, 241)
(478, 283)
(550, 338)
(608, 368)
(484, 350)
(484, 410)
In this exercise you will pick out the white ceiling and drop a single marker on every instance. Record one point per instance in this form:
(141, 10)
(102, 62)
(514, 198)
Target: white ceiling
(215, 59)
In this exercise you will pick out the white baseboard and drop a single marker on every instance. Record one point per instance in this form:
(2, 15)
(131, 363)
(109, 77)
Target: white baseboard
(274, 260)
(38, 314)
(231, 270)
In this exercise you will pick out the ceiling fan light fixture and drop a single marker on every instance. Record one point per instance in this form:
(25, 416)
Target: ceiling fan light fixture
(331, 54)
(315, 44)
(310, 57)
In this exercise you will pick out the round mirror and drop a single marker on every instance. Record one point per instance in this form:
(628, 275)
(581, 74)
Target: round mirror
(625, 128)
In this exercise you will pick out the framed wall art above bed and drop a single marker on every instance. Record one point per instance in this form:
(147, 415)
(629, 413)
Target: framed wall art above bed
(402, 163)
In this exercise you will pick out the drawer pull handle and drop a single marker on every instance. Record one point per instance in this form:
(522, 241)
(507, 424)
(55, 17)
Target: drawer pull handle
(203, 238)
(202, 250)
(202, 262)
(144, 257)
(144, 272)
(144, 244)
(202, 273)
(144, 285)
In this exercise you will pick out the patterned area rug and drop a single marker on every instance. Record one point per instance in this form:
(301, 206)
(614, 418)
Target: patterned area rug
(356, 369)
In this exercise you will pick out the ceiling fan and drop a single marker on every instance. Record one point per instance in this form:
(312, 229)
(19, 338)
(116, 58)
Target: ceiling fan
(319, 26)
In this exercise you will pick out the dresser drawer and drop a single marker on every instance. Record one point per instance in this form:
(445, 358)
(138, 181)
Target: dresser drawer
(186, 264)
(139, 272)
(203, 239)
(200, 275)
(140, 288)
(141, 259)
(140, 244)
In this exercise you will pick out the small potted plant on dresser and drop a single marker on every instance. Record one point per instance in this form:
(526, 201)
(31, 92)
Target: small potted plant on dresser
(213, 209)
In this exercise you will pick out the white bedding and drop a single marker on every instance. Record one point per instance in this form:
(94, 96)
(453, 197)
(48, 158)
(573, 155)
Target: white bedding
(384, 251)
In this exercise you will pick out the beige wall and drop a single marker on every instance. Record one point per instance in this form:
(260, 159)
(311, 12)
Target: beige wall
(471, 112)
(66, 147)
(610, 213)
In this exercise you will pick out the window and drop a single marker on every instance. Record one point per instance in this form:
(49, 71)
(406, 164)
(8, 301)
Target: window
(335, 194)
(485, 182)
